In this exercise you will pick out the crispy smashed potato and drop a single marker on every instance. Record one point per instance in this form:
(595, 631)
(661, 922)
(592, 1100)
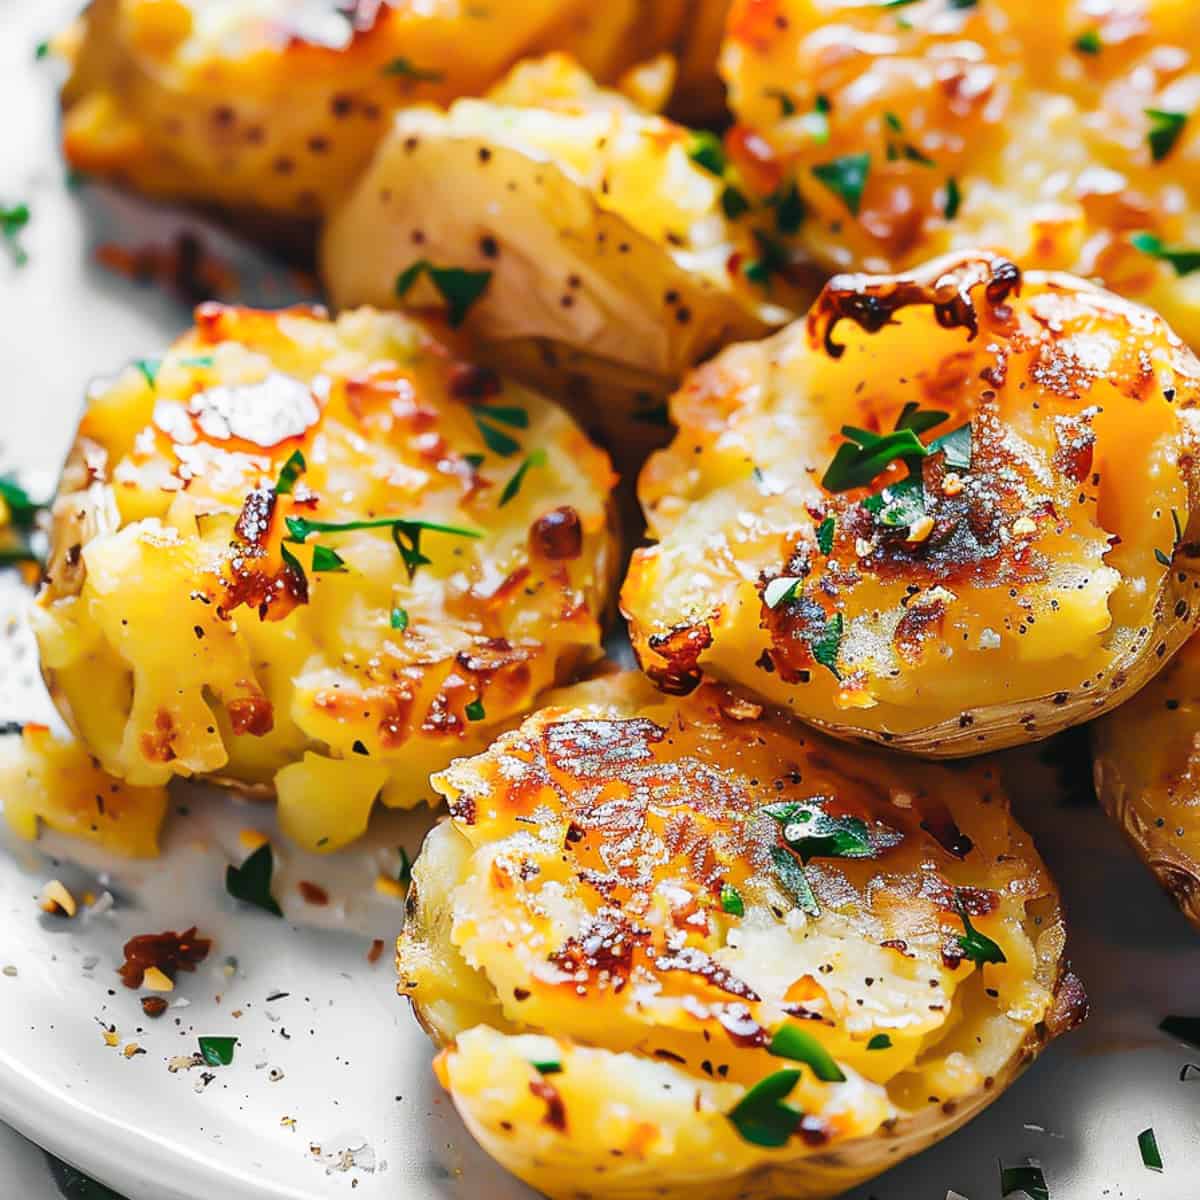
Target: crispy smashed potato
(1058, 132)
(1147, 764)
(952, 511)
(673, 947)
(317, 557)
(50, 781)
(603, 229)
(271, 106)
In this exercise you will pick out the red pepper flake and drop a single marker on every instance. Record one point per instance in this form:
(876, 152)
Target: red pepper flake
(376, 951)
(556, 1110)
(313, 893)
(169, 952)
(153, 1006)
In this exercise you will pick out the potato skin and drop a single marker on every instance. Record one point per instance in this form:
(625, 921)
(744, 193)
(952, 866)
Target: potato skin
(573, 911)
(176, 637)
(1035, 109)
(1148, 776)
(257, 108)
(1045, 583)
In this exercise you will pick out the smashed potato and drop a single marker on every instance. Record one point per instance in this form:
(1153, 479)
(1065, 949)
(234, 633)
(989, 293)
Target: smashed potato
(276, 107)
(604, 230)
(674, 947)
(1056, 132)
(317, 557)
(952, 511)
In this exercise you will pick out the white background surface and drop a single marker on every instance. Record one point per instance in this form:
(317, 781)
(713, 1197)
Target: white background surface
(355, 1066)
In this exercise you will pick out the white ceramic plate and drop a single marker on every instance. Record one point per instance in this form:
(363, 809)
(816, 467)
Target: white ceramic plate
(339, 1055)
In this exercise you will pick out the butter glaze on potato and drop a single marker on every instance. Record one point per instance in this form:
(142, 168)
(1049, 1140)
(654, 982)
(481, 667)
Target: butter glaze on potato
(1020, 127)
(181, 635)
(574, 912)
(1049, 580)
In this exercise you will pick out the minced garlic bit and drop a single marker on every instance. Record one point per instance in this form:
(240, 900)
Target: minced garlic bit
(920, 529)
(952, 484)
(154, 980)
(1023, 527)
(56, 899)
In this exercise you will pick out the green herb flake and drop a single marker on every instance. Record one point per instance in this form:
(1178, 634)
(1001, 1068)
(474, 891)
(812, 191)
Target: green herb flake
(896, 3)
(196, 360)
(1164, 559)
(513, 486)
(326, 560)
(781, 589)
(811, 831)
(825, 532)
(826, 648)
(41, 50)
(893, 122)
(787, 106)
(459, 287)
(405, 533)
(920, 420)
(475, 710)
(914, 154)
(217, 1051)
(899, 504)
(546, 1066)
(22, 508)
(292, 563)
(12, 222)
(976, 946)
(1028, 1179)
(952, 200)
(1165, 128)
(289, 473)
(399, 619)
(860, 459)
(761, 1117)
(880, 1041)
(772, 258)
(846, 177)
(794, 881)
(1151, 1155)
(733, 203)
(496, 440)
(403, 68)
(705, 150)
(800, 1046)
(789, 209)
(251, 882)
(404, 868)
(1088, 42)
(1183, 261)
(731, 900)
(149, 370)
(956, 446)
(512, 415)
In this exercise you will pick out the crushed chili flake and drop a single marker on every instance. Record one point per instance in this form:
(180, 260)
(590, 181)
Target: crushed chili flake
(168, 952)
(376, 951)
(153, 1006)
(313, 893)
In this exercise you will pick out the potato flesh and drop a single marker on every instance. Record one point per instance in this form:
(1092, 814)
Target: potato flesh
(165, 672)
(575, 892)
(1049, 145)
(253, 105)
(1045, 612)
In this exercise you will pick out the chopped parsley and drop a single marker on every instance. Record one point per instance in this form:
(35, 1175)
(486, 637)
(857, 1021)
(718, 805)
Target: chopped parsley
(782, 589)
(846, 177)
(459, 288)
(952, 201)
(546, 1066)
(787, 106)
(1088, 42)
(825, 532)
(1028, 1179)
(811, 831)
(325, 559)
(859, 460)
(772, 258)
(761, 1117)
(794, 881)
(507, 414)
(496, 440)
(399, 619)
(705, 150)
(978, 947)
(22, 509)
(405, 533)
(407, 70)
(513, 486)
(800, 1046)
(731, 900)
(1165, 128)
(404, 868)
(149, 369)
(734, 203)
(217, 1051)
(475, 710)
(251, 882)
(41, 50)
(1164, 559)
(1184, 261)
(196, 360)
(880, 1041)
(1148, 1146)
(289, 473)
(12, 221)
(789, 209)
(292, 563)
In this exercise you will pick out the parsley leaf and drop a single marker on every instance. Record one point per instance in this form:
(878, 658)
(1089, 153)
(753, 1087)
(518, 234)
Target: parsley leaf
(475, 710)
(825, 532)
(1162, 558)
(289, 473)
(217, 1051)
(801, 1046)
(1184, 261)
(12, 221)
(705, 150)
(734, 203)
(787, 106)
(507, 414)
(1028, 1179)
(899, 504)
(789, 209)
(548, 1066)
(251, 882)
(794, 881)
(1151, 1155)
(1165, 128)
(761, 1117)
(859, 460)
(22, 509)
(880, 1041)
(809, 829)
(825, 649)
(772, 258)
(406, 70)
(399, 619)
(846, 177)
(953, 199)
(513, 486)
(325, 559)
(920, 420)
(149, 369)
(1088, 42)
(405, 533)
(404, 868)
(496, 440)
(293, 564)
(459, 287)
(731, 900)
(978, 947)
